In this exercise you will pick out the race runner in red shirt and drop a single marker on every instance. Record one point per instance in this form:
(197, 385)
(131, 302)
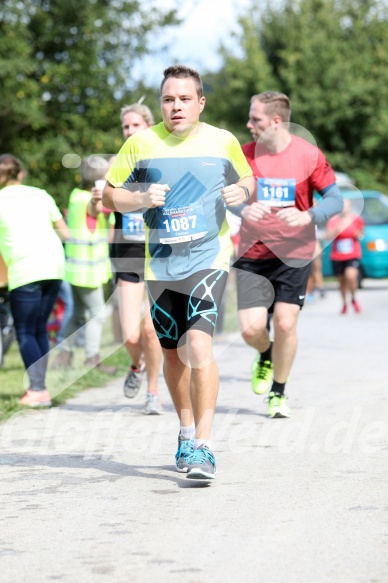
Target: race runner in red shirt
(278, 239)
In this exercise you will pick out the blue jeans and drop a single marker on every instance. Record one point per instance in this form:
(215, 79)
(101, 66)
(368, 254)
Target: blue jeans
(31, 305)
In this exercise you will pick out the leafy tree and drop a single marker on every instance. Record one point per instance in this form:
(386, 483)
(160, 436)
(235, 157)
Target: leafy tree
(331, 58)
(228, 91)
(65, 71)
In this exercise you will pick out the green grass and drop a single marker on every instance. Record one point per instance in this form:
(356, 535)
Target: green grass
(61, 384)
(65, 384)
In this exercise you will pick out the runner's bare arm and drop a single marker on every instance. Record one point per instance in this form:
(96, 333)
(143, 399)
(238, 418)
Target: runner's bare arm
(125, 201)
(236, 194)
(62, 229)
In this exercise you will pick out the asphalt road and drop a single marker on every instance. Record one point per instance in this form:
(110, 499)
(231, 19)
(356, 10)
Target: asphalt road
(89, 492)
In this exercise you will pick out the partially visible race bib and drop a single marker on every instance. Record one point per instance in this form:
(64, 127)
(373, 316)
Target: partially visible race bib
(345, 246)
(276, 191)
(133, 227)
(180, 224)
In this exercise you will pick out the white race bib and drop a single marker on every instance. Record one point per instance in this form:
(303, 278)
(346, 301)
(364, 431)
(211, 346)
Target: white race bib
(181, 224)
(276, 191)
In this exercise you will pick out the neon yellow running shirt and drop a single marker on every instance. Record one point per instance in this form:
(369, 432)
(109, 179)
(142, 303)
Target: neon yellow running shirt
(190, 232)
(29, 244)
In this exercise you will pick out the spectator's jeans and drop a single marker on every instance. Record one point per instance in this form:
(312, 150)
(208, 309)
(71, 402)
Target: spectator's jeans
(66, 295)
(31, 305)
(90, 300)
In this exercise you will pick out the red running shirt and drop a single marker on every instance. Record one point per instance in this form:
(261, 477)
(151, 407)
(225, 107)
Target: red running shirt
(302, 163)
(346, 245)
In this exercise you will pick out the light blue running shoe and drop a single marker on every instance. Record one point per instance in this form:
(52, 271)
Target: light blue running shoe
(185, 450)
(202, 465)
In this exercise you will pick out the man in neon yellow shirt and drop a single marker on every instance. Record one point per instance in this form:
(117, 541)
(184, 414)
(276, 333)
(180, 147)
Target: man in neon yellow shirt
(183, 174)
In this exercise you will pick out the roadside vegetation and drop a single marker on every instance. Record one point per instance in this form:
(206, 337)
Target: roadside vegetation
(65, 384)
(61, 384)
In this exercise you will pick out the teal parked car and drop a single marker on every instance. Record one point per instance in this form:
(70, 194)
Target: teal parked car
(374, 210)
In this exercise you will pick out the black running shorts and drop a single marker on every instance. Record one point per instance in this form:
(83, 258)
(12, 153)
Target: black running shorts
(134, 269)
(340, 266)
(191, 303)
(263, 283)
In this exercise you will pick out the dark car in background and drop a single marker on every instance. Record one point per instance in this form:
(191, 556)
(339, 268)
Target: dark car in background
(373, 207)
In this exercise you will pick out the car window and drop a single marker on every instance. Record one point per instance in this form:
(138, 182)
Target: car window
(375, 211)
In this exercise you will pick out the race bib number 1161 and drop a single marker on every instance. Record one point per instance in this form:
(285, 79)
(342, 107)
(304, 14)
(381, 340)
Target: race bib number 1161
(276, 191)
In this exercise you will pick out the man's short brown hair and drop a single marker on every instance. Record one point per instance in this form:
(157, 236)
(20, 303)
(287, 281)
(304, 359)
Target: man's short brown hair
(276, 103)
(182, 72)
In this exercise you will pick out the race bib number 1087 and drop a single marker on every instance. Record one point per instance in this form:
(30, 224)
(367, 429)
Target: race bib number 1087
(181, 224)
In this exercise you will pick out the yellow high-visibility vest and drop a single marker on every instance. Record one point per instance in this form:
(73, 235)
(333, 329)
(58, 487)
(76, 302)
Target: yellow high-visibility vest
(87, 253)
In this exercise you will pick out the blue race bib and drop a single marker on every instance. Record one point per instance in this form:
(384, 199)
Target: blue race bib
(344, 246)
(276, 191)
(133, 227)
(181, 224)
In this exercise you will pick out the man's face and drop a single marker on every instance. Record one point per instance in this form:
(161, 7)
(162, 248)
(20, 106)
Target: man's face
(181, 106)
(132, 123)
(259, 121)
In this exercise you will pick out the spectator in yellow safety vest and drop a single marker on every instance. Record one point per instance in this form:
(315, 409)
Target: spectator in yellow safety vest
(87, 264)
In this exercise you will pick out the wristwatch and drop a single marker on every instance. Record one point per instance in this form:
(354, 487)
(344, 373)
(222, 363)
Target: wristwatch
(245, 189)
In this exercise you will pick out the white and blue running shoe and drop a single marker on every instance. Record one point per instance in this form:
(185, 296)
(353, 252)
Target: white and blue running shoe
(201, 464)
(184, 452)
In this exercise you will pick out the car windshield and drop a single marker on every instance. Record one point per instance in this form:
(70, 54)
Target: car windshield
(375, 211)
